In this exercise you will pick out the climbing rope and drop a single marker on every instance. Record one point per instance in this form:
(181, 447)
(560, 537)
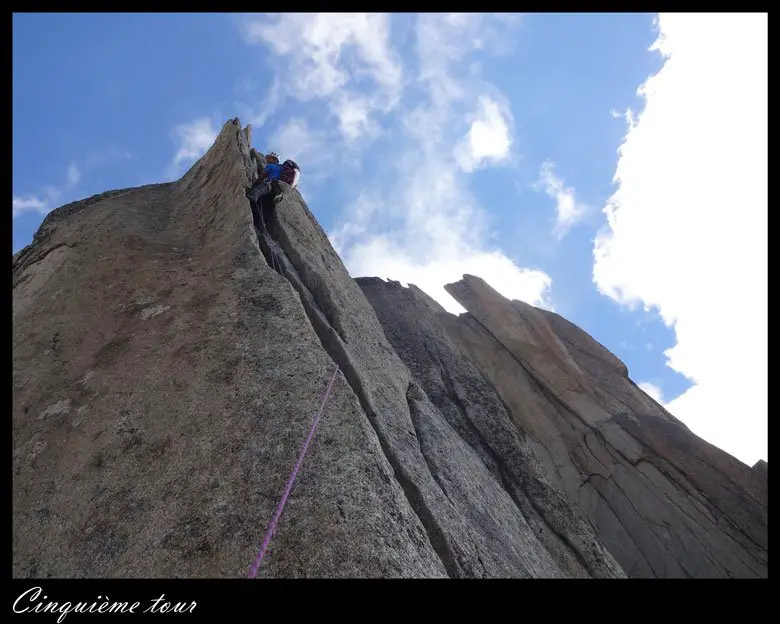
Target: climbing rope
(272, 525)
(273, 246)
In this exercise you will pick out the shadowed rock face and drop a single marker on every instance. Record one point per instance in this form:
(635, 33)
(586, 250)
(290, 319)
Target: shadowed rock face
(761, 468)
(664, 502)
(473, 412)
(168, 358)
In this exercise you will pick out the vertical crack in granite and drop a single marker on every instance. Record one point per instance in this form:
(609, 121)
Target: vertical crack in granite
(333, 343)
(413, 328)
(506, 479)
(166, 351)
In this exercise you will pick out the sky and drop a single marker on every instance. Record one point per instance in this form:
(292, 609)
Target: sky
(609, 167)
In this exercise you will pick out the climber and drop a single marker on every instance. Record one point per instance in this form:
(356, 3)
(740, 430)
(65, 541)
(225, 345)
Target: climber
(288, 172)
(267, 174)
(280, 179)
(265, 170)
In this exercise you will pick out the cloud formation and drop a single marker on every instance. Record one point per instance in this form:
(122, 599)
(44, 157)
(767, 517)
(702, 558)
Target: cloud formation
(431, 242)
(687, 225)
(415, 220)
(324, 55)
(652, 390)
(297, 140)
(46, 199)
(429, 229)
(568, 211)
(74, 175)
(489, 138)
(25, 204)
(192, 139)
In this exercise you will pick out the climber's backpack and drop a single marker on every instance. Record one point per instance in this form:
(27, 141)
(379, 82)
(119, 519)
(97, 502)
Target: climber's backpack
(289, 169)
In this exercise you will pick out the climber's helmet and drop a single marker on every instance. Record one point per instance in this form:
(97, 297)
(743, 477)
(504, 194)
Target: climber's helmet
(272, 158)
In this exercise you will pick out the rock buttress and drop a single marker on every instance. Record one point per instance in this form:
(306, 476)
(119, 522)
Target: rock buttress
(474, 524)
(473, 411)
(664, 502)
(164, 378)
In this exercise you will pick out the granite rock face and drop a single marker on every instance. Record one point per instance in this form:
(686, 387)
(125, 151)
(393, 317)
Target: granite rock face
(474, 412)
(169, 357)
(164, 379)
(664, 502)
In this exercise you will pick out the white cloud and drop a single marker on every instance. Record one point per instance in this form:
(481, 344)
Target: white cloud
(687, 226)
(20, 205)
(354, 115)
(381, 256)
(26, 204)
(324, 55)
(416, 220)
(568, 211)
(489, 138)
(305, 145)
(74, 175)
(193, 140)
(428, 233)
(652, 390)
(424, 226)
(297, 140)
(443, 41)
(52, 194)
(368, 206)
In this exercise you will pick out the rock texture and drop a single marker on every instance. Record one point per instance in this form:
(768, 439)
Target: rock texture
(164, 379)
(664, 502)
(168, 358)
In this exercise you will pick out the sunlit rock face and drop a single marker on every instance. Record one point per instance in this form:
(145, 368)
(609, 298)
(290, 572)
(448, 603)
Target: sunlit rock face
(169, 356)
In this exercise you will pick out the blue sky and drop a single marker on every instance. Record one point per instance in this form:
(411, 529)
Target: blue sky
(589, 163)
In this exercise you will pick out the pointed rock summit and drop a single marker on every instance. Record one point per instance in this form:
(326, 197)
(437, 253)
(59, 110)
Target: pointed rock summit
(169, 357)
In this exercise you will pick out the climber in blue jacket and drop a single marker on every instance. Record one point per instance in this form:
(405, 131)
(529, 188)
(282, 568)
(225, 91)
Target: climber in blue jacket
(267, 172)
(272, 169)
(288, 172)
(273, 173)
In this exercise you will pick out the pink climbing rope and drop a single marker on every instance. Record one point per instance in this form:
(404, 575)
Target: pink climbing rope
(272, 525)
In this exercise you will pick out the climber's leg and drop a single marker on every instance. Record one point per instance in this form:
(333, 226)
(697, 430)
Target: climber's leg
(282, 189)
(276, 192)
